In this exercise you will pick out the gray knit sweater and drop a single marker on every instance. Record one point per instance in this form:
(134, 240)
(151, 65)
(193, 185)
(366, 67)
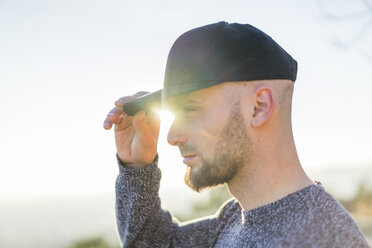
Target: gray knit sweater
(306, 218)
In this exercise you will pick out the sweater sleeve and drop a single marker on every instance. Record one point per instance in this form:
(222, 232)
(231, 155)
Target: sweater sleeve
(142, 222)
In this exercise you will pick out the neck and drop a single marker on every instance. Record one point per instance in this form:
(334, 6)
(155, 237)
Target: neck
(272, 175)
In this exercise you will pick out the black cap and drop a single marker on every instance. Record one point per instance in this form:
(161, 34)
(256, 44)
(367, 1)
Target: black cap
(217, 53)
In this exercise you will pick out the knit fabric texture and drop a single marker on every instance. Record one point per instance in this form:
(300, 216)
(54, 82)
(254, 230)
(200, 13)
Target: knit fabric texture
(307, 218)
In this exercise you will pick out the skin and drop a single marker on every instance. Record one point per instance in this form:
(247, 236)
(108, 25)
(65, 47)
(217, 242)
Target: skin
(268, 166)
(213, 155)
(136, 136)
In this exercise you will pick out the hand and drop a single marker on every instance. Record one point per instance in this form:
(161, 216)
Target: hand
(136, 136)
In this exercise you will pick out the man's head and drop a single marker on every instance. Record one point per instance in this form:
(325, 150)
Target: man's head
(223, 128)
(230, 87)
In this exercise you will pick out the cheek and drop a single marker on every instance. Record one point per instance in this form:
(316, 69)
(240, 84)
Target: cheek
(208, 135)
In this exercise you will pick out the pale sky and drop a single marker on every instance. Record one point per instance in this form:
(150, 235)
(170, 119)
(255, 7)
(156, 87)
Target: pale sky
(64, 63)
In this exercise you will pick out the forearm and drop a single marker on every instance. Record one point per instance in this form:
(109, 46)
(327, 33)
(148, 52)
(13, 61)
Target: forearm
(142, 222)
(136, 200)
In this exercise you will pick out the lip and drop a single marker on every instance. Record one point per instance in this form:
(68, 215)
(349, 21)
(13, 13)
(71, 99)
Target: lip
(187, 159)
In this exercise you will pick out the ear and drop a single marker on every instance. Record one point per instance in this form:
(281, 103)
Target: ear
(263, 106)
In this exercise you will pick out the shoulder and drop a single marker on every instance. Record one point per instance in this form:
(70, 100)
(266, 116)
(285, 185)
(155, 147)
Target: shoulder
(330, 221)
(323, 206)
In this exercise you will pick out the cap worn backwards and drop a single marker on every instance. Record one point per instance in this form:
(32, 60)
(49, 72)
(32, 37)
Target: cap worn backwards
(217, 53)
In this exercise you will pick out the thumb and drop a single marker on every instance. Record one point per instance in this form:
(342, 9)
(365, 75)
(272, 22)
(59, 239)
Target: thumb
(143, 130)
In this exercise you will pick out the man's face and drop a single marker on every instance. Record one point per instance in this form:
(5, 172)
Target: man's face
(209, 130)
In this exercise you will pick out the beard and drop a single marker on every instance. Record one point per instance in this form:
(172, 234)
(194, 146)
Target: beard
(231, 153)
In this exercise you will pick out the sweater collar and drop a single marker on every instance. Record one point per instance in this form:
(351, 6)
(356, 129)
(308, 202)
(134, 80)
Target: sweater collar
(293, 200)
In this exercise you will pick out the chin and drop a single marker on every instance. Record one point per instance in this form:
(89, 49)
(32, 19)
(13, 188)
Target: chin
(194, 168)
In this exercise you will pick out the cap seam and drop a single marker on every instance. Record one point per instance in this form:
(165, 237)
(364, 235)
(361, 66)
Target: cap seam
(220, 80)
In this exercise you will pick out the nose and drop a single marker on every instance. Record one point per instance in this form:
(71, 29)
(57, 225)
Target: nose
(177, 134)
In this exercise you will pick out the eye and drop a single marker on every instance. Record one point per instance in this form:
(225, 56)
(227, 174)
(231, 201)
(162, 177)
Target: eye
(189, 109)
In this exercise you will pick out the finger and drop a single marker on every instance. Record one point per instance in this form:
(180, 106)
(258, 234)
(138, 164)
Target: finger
(140, 93)
(114, 114)
(154, 123)
(140, 124)
(113, 117)
(122, 122)
(119, 103)
(107, 124)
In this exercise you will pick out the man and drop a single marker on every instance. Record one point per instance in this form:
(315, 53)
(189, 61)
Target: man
(230, 87)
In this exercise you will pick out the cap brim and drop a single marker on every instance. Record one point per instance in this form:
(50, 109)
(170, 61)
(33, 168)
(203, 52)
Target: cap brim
(159, 98)
(147, 103)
